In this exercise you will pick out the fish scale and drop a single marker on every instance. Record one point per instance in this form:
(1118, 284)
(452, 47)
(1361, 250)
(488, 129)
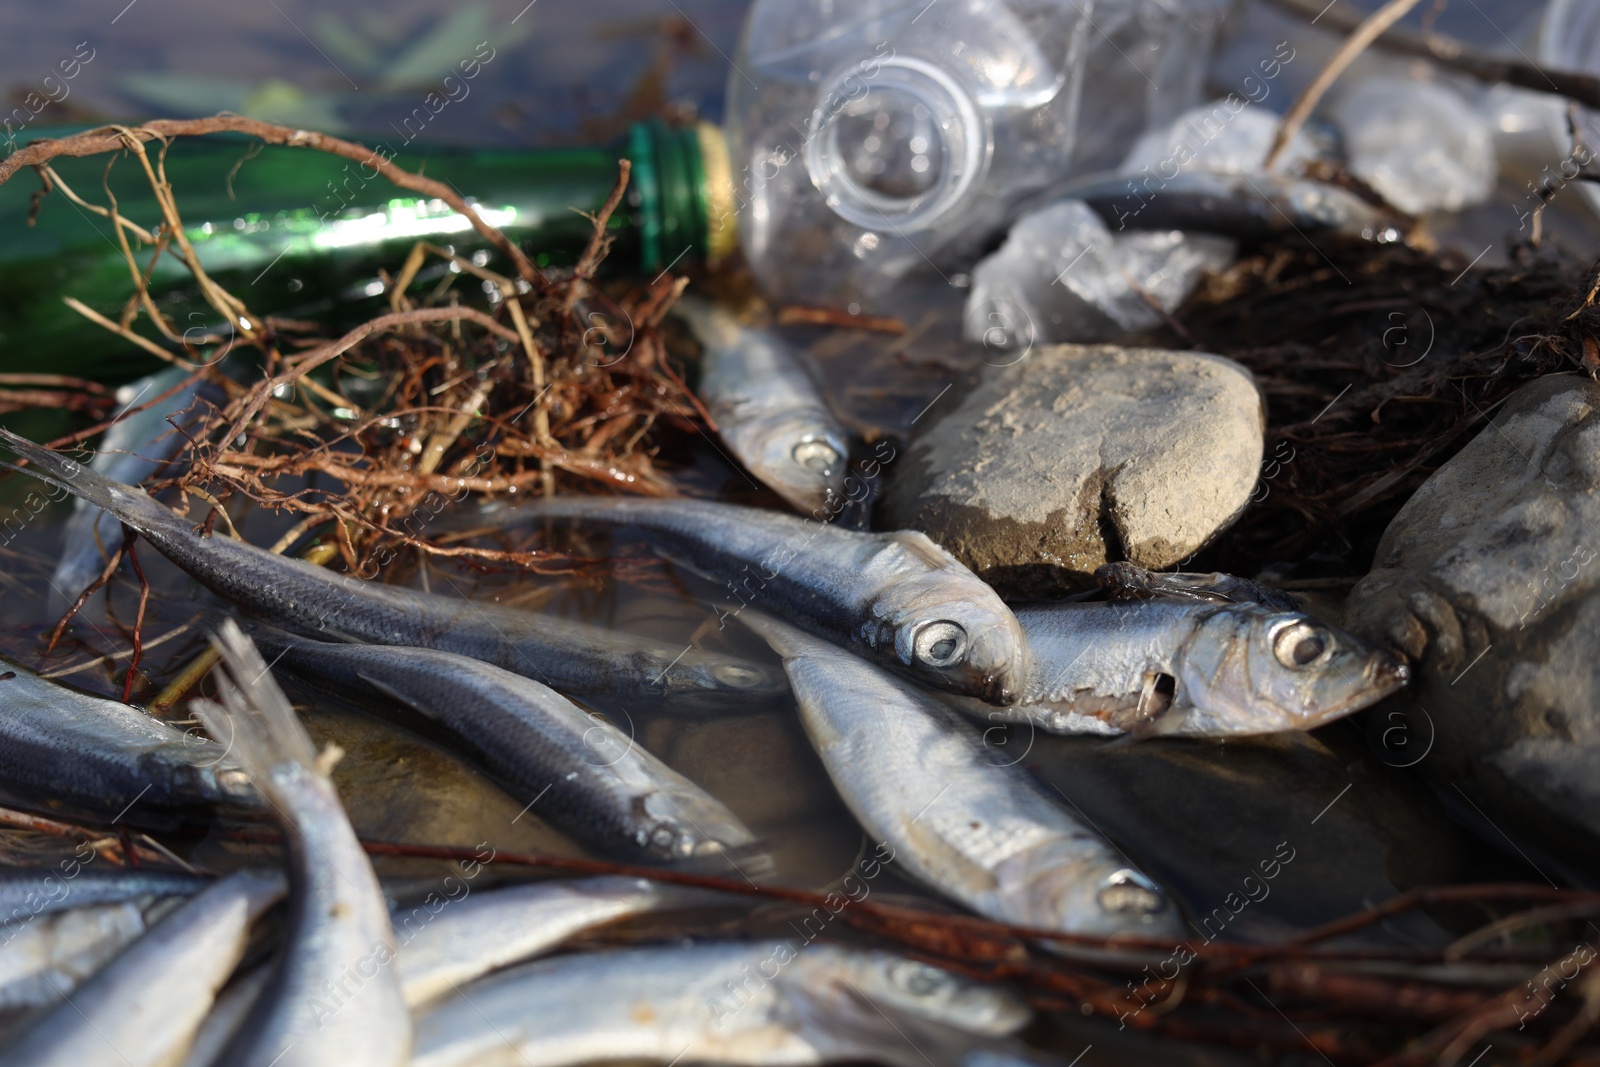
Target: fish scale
(103, 754)
(579, 771)
(1230, 665)
(299, 596)
(876, 593)
(960, 820)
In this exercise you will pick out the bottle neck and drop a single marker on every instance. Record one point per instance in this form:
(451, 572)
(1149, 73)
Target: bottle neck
(243, 202)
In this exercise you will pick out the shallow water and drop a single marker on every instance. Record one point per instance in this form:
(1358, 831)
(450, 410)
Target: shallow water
(1199, 817)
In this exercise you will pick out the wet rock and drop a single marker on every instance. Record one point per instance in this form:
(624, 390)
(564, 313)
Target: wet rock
(1072, 456)
(1488, 579)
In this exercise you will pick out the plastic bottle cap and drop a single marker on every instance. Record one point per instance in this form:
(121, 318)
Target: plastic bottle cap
(896, 142)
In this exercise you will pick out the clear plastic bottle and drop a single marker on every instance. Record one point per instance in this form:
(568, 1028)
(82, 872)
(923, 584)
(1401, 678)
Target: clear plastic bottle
(871, 138)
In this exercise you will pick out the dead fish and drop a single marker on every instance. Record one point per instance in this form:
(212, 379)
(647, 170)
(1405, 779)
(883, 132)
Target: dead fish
(144, 1008)
(132, 449)
(1128, 581)
(970, 827)
(1190, 667)
(448, 941)
(298, 596)
(573, 768)
(762, 1004)
(334, 999)
(1247, 207)
(896, 598)
(45, 958)
(226, 1016)
(59, 743)
(28, 892)
(768, 409)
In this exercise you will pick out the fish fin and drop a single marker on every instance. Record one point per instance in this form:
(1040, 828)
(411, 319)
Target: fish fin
(394, 694)
(128, 503)
(252, 716)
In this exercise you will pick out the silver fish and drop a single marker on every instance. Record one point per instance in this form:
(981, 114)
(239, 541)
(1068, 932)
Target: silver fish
(1129, 581)
(1191, 668)
(295, 595)
(896, 598)
(1247, 207)
(761, 1003)
(104, 755)
(28, 892)
(452, 940)
(334, 999)
(43, 960)
(768, 409)
(964, 823)
(145, 1006)
(573, 768)
(229, 1012)
(132, 449)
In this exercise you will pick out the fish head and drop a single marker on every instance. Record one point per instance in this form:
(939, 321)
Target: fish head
(686, 825)
(910, 991)
(1254, 670)
(945, 627)
(1060, 885)
(804, 457)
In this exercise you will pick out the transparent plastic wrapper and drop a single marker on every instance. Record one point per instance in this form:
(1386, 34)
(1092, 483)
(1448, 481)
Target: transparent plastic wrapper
(878, 137)
(1420, 144)
(1222, 136)
(1063, 276)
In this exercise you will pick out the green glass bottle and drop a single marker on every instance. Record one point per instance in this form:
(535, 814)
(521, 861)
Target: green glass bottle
(298, 232)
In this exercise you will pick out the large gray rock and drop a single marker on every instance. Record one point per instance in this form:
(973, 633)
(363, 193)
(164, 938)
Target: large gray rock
(1076, 456)
(1488, 579)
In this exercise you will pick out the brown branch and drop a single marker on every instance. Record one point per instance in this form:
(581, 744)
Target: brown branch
(1367, 31)
(596, 249)
(253, 401)
(130, 539)
(1457, 56)
(110, 139)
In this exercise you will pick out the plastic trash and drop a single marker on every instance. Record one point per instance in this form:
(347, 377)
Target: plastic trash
(872, 139)
(1420, 144)
(1223, 136)
(1064, 275)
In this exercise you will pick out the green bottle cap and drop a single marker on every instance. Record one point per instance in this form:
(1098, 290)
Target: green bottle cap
(683, 183)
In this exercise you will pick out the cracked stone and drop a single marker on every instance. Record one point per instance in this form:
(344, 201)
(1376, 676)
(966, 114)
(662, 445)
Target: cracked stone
(1075, 456)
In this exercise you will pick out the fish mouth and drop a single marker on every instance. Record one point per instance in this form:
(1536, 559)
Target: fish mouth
(1390, 673)
(999, 690)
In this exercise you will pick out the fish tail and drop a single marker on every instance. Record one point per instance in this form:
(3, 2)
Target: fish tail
(127, 503)
(252, 716)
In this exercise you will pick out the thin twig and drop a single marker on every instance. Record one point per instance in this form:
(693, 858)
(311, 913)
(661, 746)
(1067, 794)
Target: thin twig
(1455, 55)
(1363, 35)
(111, 138)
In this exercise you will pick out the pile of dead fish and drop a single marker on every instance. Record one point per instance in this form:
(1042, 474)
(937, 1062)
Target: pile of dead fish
(898, 656)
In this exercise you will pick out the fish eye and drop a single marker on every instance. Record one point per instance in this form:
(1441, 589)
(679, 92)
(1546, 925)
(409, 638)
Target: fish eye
(1127, 890)
(919, 979)
(939, 644)
(736, 675)
(1300, 644)
(816, 455)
